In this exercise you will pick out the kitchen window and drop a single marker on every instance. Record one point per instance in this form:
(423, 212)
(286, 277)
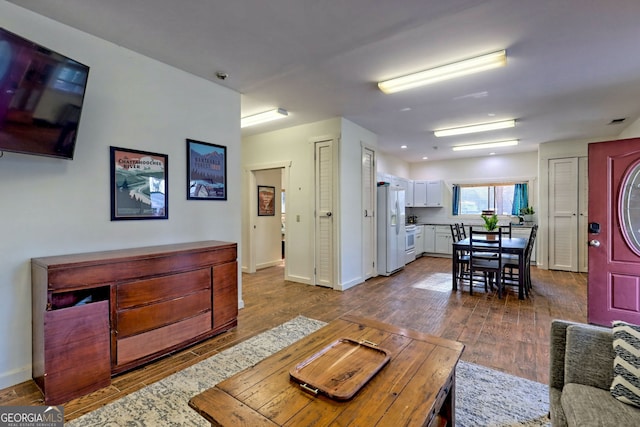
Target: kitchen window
(472, 199)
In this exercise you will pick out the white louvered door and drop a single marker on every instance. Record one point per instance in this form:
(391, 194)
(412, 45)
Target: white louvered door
(324, 247)
(563, 219)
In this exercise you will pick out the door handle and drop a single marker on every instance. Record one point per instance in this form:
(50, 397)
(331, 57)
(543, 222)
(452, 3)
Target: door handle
(595, 243)
(328, 213)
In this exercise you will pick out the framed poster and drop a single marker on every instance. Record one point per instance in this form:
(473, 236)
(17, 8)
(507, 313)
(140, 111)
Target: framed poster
(139, 185)
(266, 200)
(206, 171)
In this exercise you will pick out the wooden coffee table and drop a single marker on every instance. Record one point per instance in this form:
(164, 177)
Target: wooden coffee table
(416, 387)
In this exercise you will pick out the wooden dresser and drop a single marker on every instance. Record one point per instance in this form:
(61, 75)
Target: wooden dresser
(101, 313)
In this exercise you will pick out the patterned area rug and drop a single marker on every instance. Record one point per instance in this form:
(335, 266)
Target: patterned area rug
(484, 397)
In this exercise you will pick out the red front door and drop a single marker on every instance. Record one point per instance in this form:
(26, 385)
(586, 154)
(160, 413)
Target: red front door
(614, 250)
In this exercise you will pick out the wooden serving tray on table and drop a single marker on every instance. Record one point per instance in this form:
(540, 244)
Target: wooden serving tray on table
(340, 369)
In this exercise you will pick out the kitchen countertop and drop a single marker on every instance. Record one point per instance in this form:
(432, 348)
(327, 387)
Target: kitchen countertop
(470, 224)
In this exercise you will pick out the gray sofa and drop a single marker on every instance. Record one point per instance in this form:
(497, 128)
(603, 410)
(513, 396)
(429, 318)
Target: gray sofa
(581, 371)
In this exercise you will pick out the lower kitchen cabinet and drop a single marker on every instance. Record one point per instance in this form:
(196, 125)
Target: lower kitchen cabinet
(429, 238)
(444, 240)
(437, 239)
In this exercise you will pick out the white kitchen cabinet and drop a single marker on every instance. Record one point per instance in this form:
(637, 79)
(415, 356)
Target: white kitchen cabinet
(428, 194)
(429, 238)
(443, 240)
(434, 194)
(419, 240)
(419, 193)
(407, 186)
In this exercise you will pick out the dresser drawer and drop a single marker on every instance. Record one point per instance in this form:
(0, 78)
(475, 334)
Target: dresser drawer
(148, 317)
(159, 340)
(153, 290)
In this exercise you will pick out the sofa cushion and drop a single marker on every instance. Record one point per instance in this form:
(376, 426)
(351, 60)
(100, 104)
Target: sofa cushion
(626, 365)
(587, 406)
(588, 357)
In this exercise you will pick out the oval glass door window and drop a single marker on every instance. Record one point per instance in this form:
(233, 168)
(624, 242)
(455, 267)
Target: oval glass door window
(630, 208)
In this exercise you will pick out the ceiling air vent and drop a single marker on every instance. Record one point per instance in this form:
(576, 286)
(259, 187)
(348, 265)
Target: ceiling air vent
(617, 121)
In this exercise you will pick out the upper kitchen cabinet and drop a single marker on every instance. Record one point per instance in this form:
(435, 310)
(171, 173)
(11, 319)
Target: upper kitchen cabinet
(428, 194)
(407, 186)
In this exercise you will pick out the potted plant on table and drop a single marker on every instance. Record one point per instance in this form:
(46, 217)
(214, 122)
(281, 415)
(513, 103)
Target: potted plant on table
(490, 222)
(527, 213)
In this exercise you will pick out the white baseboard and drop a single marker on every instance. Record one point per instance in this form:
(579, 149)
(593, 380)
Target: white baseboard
(17, 376)
(268, 264)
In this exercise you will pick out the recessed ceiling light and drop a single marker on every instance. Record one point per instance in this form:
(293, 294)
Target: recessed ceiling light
(406, 109)
(482, 127)
(425, 158)
(479, 146)
(403, 147)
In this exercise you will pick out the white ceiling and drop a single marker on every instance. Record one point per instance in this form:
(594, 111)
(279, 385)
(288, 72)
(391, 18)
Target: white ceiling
(573, 65)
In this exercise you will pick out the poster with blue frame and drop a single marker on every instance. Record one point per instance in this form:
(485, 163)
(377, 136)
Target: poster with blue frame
(206, 171)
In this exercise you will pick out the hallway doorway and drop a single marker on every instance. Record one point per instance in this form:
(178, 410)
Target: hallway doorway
(266, 226)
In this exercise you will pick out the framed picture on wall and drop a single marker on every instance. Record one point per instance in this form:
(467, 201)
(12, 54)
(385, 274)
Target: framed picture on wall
(139, 184)
(266, 200)
(206, 171)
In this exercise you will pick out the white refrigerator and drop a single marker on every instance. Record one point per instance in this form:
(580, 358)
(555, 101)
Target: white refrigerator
(391, 229)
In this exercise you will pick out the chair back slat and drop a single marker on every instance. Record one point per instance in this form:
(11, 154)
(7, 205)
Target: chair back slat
(463, 232)
(505, 230)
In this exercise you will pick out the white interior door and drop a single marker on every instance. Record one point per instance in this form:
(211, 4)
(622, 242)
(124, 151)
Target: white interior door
(369, 220)
(324, 247)
(563, 219)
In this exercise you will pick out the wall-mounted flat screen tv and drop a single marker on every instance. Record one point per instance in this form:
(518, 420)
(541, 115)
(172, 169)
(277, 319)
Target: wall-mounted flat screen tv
(41, 96)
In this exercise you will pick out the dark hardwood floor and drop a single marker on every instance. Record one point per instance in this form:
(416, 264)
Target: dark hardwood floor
(505, 334)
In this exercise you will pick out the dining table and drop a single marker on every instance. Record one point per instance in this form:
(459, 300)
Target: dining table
(510, 245)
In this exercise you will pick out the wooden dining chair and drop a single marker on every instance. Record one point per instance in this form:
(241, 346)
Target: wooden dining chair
(463, 232)
(455, 232)
(485, 249)
(462, 271)
(510, 262)
(505, 230)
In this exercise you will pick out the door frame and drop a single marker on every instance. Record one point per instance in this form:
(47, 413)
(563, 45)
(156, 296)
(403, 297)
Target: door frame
(252, 196)
(374, 204)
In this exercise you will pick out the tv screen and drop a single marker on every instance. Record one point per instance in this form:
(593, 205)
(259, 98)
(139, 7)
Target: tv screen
(41, 96)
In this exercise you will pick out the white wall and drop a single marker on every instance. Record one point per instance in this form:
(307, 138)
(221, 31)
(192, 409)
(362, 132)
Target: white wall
(352, 140)
(292, 146)
(513, 167)
(386, 163)
(632, 131)
(51, 206)
(295, 146)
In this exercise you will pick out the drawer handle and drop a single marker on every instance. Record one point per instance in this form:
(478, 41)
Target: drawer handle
(309, 389)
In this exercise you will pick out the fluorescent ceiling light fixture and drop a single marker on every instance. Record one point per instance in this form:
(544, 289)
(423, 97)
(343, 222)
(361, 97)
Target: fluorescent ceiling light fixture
(485, 145)
(445, 72)
(267, 116)
(483, 127)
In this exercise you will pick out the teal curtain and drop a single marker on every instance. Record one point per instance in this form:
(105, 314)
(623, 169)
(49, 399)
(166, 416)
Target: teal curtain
(455, 199)
(520, 198)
